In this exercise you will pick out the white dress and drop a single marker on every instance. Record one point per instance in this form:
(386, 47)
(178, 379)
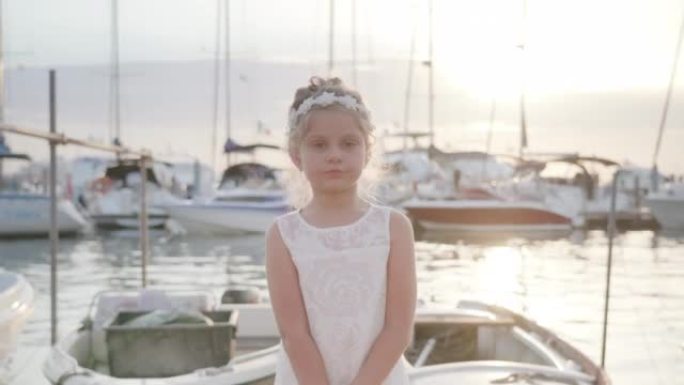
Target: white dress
(342, 276)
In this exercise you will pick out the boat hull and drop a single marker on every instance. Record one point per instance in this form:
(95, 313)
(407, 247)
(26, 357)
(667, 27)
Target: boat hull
(226, 218)
(482, 216)
(668, 211)
(29, 215)
(128, 221)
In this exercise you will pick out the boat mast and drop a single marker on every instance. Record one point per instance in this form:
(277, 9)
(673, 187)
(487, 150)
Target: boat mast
(2, 69)
(353, 41)
(331, 38)
(431, 95)
(666, 106)
(2, 85)
(523, 118)
(216, 84)
(115, 77)
(227, 75)
(409, 83)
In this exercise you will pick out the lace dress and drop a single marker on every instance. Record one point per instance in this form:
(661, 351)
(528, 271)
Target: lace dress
(342, 276)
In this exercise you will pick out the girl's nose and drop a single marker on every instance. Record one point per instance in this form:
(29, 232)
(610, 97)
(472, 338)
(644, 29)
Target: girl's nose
(334, 155)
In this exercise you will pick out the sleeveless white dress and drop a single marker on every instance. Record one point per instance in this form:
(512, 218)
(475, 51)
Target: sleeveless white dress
(343, 277)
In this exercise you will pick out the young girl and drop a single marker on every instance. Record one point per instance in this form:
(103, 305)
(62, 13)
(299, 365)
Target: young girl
(341, 270)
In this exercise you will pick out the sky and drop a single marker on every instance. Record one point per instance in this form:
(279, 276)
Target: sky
(592, 69)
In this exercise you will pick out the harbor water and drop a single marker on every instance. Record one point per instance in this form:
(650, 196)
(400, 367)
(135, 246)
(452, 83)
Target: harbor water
(557, 281)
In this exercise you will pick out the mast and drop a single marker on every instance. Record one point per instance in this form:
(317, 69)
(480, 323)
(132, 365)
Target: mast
(227, 75)
(409, 83)
(331, 38)
(115, 77)
(353, 41)
(523, 117)
(2, 69)
(666, 106)
(431, 95)
(216, 84)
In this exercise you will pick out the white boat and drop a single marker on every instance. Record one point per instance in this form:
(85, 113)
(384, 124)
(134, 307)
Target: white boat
(248, 200)
(24, 212)
(667, 206)
(473, 340)
(113, 201)
(16, 304)
(82, 358)
(28, 214)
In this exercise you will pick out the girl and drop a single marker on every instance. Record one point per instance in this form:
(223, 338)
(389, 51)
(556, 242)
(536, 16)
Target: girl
(341, 270)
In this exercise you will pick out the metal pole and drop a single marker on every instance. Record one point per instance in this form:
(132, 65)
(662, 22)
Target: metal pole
(143, 219)
(611, 235)
(54, 236)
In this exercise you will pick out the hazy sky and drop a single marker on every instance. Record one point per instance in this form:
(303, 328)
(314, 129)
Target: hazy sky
(583, 47)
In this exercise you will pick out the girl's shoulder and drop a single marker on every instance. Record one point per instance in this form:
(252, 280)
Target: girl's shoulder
(398, 220)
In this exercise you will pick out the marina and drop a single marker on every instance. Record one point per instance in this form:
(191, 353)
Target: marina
(556, 282)
(140, 171)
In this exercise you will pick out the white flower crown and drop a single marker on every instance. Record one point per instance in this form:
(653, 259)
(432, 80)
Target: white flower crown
(324, 99)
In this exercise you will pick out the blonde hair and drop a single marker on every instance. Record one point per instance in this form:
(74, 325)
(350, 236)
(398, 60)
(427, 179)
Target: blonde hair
(298, 189)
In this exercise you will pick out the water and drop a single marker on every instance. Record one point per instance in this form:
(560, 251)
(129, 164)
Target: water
(558, 282)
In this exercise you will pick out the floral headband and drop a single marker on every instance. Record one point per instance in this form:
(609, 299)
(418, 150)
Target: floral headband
(324, 99)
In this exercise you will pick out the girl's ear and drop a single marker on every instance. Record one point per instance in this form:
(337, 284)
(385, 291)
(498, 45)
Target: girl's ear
(296, 159)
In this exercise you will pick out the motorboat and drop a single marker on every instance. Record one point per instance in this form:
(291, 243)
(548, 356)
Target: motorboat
(249, 198)
(113, 200)
(471, 342)
(522, 203)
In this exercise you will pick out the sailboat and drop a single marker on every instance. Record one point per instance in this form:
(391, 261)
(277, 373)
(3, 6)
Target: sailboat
(113, 200)
(249, 195)
(486, 208)
(667, 202)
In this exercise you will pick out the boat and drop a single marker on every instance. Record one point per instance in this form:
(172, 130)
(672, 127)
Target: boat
(24, 210)
(83, 358)
(16, 305)
(113, 200)
(487, 215)
(472, 340)
(479, 343)
(248, 199)
(667, 206)
(521, 203)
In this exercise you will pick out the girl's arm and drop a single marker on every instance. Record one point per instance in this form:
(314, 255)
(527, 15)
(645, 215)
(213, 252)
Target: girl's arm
(290, 314)
(400, 306)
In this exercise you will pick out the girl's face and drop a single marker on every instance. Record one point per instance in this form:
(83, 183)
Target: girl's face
(332, 153)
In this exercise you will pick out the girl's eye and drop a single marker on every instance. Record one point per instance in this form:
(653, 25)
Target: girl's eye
(318, 144)
(350, 143)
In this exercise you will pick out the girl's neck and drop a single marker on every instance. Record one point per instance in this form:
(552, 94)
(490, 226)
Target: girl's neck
(347, 200)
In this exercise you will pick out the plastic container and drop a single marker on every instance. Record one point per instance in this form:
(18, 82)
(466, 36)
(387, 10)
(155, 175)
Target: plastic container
(169, 350)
